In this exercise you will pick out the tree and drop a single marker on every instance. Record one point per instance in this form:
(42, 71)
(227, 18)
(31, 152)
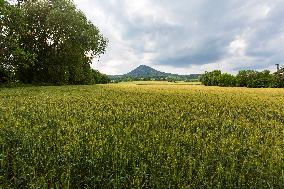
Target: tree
(279, 78)
(255, 79)
(243, 77)
(55, 42)
(6, 75)
(99, 78)
(11, 54)
(211, 78)
(262, 79)
(226, 80)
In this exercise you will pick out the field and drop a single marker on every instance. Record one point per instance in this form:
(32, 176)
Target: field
(141, 136)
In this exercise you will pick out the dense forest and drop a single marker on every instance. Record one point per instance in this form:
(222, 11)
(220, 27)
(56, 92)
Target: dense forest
(245, 78)
(48, 42)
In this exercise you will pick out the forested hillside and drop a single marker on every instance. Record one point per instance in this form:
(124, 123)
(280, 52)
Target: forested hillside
(147, 73)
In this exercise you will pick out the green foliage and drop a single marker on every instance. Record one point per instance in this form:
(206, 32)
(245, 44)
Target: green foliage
(226, 80)
(130, 136)
(211, 78)
(49, 42)
(261, 80)
(6, 75)
(254, 79)
(100, 78)
(279, 77)
(245, 78)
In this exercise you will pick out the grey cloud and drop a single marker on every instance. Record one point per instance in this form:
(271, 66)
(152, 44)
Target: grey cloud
(199, 31)
(207, 51)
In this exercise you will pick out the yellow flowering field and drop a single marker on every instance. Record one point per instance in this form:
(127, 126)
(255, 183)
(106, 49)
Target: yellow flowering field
(135, 135)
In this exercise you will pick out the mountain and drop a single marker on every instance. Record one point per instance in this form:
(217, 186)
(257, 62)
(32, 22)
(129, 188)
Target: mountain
(144, 72)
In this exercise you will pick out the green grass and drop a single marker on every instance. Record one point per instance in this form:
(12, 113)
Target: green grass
(141, 136)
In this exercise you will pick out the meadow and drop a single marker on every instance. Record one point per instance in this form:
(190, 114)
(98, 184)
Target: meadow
(139, 135)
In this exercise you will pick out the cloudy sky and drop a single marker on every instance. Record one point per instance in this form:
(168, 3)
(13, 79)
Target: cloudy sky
(188, 36)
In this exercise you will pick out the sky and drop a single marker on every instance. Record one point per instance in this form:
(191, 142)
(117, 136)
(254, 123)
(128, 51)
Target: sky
(188, 36)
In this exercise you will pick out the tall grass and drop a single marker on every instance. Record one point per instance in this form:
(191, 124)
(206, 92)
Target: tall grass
(129, 136)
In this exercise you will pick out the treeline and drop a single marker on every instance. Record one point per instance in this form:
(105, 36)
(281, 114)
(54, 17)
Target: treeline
(245, 78)
(48, 41)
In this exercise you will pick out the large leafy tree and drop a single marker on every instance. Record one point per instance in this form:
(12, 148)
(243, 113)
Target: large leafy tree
(55, 42)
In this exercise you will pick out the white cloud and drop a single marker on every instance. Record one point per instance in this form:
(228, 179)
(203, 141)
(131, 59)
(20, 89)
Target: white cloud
(188, 36)
(238, 46)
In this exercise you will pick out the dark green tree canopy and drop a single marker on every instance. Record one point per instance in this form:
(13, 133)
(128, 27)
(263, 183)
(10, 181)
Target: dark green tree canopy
(49, 41)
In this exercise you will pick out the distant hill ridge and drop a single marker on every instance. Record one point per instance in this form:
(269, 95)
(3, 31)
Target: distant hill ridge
(143, 71)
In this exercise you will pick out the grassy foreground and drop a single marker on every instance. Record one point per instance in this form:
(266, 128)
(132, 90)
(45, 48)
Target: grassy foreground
(141, 136)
